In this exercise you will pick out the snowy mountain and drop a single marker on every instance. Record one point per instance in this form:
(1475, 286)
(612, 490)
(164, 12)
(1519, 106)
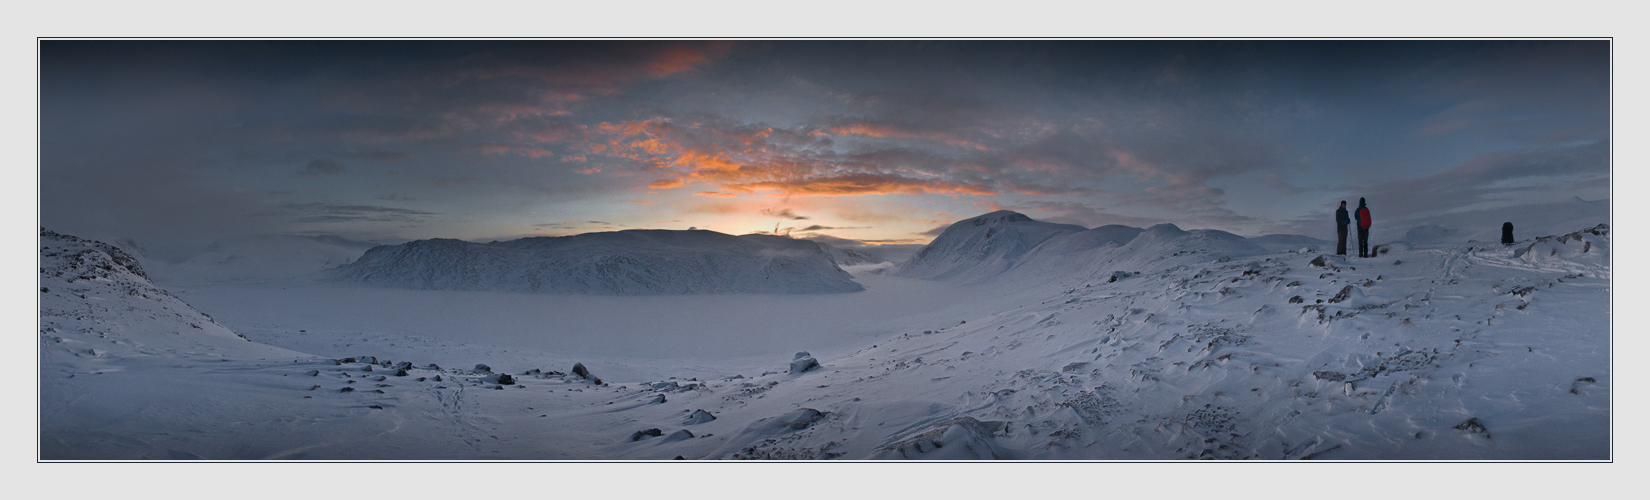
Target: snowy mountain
(633, 262)
(981, 247)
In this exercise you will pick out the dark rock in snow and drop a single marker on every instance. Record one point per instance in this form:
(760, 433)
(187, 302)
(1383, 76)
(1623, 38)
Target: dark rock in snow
(638, 435)
(367, 368)
(1473, 426)
(1345, 293)
(1319, 262)
(658, 399)
(582, 372)
(400, 372)
(404, 365)
(1296, 300)
(347, 389)
(483, 368)
(506, 379)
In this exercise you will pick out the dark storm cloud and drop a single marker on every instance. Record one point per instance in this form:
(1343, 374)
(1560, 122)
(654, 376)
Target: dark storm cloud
(322, 166)
(345, 212)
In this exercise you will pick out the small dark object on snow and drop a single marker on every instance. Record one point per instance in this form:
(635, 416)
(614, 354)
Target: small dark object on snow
(498, 387)
(314, 387)
(1506, 233)
(506, 379)
(367, 368)
(400, 372)
(314, 373)
(1473, 426)
(349, 360)
(1586, 379)
(655, 432)
(404, 365)
(376, 406)
(1296, 300)
(658, 399)
(437, 378)
(44, 290)
(678, 457)
(421, 379)
(1294, 284)
(347, 389)
(483, 368)
(1319, 262)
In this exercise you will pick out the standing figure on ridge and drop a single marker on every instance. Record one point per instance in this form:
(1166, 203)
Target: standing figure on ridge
(1363, 229)
(1341, 221)
(1506, 233)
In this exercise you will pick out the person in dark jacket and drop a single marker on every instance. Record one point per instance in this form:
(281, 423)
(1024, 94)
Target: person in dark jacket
(1341, 221)
(1363, 228)
(1506, 233)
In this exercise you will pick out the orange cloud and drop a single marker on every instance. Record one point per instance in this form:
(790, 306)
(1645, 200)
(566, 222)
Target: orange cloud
(670, 183)
(714, 194)
(757, 160)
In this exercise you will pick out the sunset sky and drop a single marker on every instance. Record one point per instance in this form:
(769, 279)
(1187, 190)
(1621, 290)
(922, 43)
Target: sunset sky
(175, 144)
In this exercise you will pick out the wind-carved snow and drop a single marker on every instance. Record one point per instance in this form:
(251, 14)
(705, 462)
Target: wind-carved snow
(1118, 344)
(634, 262)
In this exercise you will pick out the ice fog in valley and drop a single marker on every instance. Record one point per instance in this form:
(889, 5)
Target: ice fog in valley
(1004, 338)
(1073, 250)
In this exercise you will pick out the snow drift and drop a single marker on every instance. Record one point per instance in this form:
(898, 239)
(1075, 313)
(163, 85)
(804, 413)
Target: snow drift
(633, 262)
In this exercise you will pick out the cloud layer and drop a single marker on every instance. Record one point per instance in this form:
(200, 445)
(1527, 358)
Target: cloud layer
(871, 141)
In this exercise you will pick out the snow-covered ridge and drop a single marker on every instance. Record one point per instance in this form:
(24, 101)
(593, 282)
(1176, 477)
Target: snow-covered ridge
(994, 244)
(981, 246)
(633, 262)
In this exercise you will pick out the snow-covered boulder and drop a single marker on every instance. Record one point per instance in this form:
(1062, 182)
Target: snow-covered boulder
(803, 362)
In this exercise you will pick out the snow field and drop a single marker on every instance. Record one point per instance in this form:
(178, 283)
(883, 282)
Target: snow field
(1174, 345)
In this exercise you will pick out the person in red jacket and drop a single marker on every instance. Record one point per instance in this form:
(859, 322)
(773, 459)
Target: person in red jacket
(1363, 228)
